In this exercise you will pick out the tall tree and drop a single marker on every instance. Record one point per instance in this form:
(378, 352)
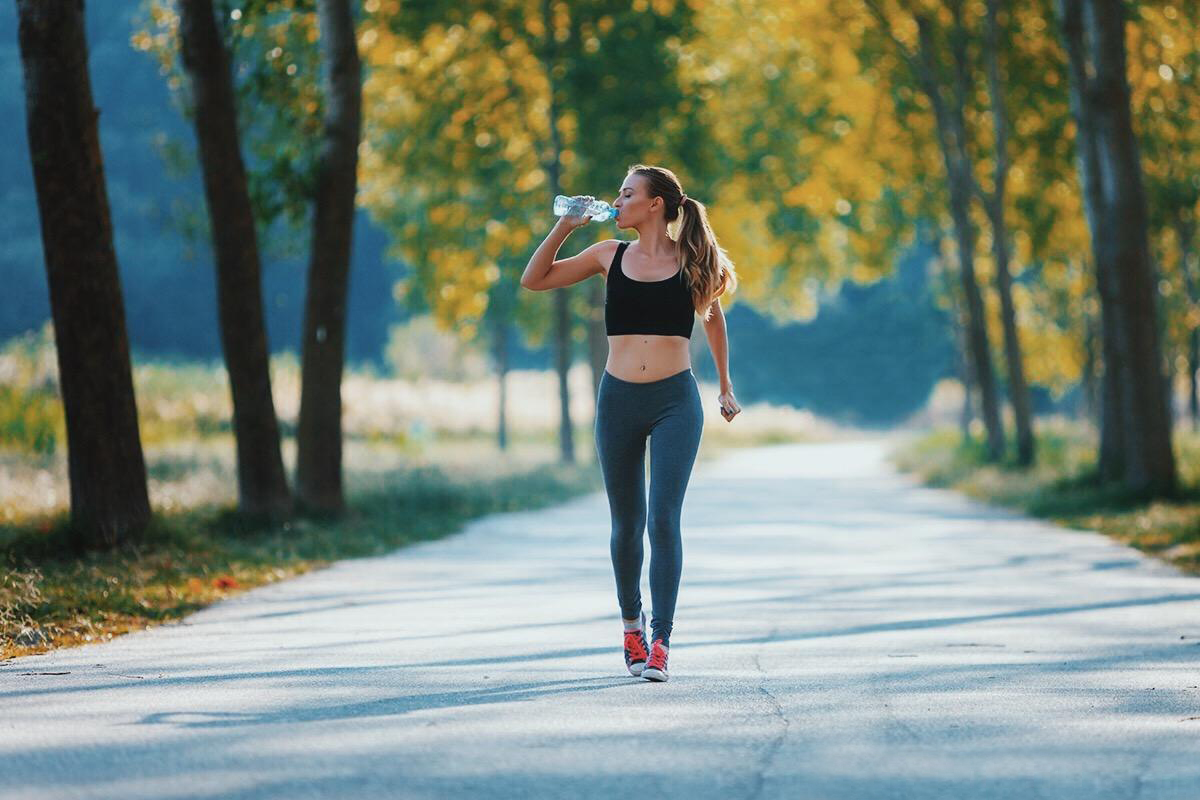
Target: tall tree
(1164, 62)
(262, 482)
(106, 467)
(547, 50)
(995, 202)
(1136, 431)
(948, 98)
(319, 435)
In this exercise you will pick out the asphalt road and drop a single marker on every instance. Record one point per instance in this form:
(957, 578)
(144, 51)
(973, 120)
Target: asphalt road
(840, 632)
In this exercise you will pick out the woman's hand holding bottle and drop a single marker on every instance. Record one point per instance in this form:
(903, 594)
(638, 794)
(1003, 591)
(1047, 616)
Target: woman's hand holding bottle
(573, 221)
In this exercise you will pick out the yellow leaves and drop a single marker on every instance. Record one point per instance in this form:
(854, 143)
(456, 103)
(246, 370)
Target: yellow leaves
(520, 237)
(481, 22)
(842, 62)
(861, 273)
(814, 194)
(797, 195)
(738, 217)
(534, 26)
(461, 281)
(164, 16)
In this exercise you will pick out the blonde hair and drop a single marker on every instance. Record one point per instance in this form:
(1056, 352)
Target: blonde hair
(705, 266)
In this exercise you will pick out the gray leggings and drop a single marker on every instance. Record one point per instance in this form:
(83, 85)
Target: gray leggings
(668, 411)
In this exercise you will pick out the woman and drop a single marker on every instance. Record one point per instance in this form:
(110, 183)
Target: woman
(655, 286)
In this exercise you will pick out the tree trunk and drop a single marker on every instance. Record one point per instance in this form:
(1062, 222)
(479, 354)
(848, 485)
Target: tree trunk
(562, 296)
(1185, 230)
(1088, 405)
(500, 341)
(1111, 465)
(106, 467)
(966, 375)
(1018, 389)
(262, 482)
(319, 434)
(1193, 361)
(1093, 32)
(952, 140)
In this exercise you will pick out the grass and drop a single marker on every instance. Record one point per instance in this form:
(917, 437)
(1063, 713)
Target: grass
(190, 559)
(1062, 487)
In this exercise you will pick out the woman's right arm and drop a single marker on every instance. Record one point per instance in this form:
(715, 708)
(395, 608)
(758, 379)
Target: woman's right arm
(543, 272)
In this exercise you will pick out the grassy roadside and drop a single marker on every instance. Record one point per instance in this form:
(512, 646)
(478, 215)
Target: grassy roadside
(1060, 487)
(190, 559)
(51, 597)
(419, 460)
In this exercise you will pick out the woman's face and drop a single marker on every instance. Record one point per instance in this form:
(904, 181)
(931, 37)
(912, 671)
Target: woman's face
(633, 201)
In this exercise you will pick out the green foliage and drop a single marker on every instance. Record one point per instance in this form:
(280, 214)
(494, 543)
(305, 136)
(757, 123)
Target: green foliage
(31, 415)
(276, 72)
(31, 420)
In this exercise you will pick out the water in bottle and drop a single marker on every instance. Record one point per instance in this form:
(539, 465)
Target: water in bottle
(599, 210)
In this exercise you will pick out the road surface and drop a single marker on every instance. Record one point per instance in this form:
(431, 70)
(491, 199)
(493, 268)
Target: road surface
(841, 632)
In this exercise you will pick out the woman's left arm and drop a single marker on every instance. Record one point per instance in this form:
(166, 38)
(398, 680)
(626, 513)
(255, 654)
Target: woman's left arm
(718, 343)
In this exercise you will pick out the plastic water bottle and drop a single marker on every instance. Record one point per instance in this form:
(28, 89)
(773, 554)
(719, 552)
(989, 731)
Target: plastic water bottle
(599, 210)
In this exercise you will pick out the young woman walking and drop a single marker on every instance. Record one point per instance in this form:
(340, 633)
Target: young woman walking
(654, 287)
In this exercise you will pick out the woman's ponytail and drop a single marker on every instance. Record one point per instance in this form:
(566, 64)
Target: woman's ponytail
(709, 271)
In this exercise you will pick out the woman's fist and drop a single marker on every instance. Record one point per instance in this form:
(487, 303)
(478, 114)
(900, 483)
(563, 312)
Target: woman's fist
(578, 220)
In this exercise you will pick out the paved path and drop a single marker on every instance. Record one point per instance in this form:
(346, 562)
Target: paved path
(841, 633)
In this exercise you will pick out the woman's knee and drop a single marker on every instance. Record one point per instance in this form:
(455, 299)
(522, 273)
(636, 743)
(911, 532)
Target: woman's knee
(663, 528)
(628, 528)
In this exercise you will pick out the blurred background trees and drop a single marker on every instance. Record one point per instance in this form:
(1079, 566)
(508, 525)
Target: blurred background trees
(1002, 195)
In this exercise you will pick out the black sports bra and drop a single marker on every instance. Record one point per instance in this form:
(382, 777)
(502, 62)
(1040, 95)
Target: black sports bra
(659, 307)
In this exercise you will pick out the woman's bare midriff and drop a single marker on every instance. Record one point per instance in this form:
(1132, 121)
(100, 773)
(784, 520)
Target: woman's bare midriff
(644, 357)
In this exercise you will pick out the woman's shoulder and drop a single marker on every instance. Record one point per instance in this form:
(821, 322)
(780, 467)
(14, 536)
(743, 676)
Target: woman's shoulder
(607, 251)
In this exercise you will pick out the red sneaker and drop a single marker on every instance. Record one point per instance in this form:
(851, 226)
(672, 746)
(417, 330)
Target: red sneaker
(656, 665)
(636, 650)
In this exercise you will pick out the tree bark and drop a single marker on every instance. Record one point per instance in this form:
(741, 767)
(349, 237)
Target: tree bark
(562, 296)
(319, 434)
(1112, 439)
(1088, 404)
(262, 481)
(106, 467)
(952, 139)
(967, 376)
(1018, 388)
(1185, 231)
(1093, 33)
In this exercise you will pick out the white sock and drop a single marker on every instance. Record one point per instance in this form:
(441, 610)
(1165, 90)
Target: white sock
(636, 625)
